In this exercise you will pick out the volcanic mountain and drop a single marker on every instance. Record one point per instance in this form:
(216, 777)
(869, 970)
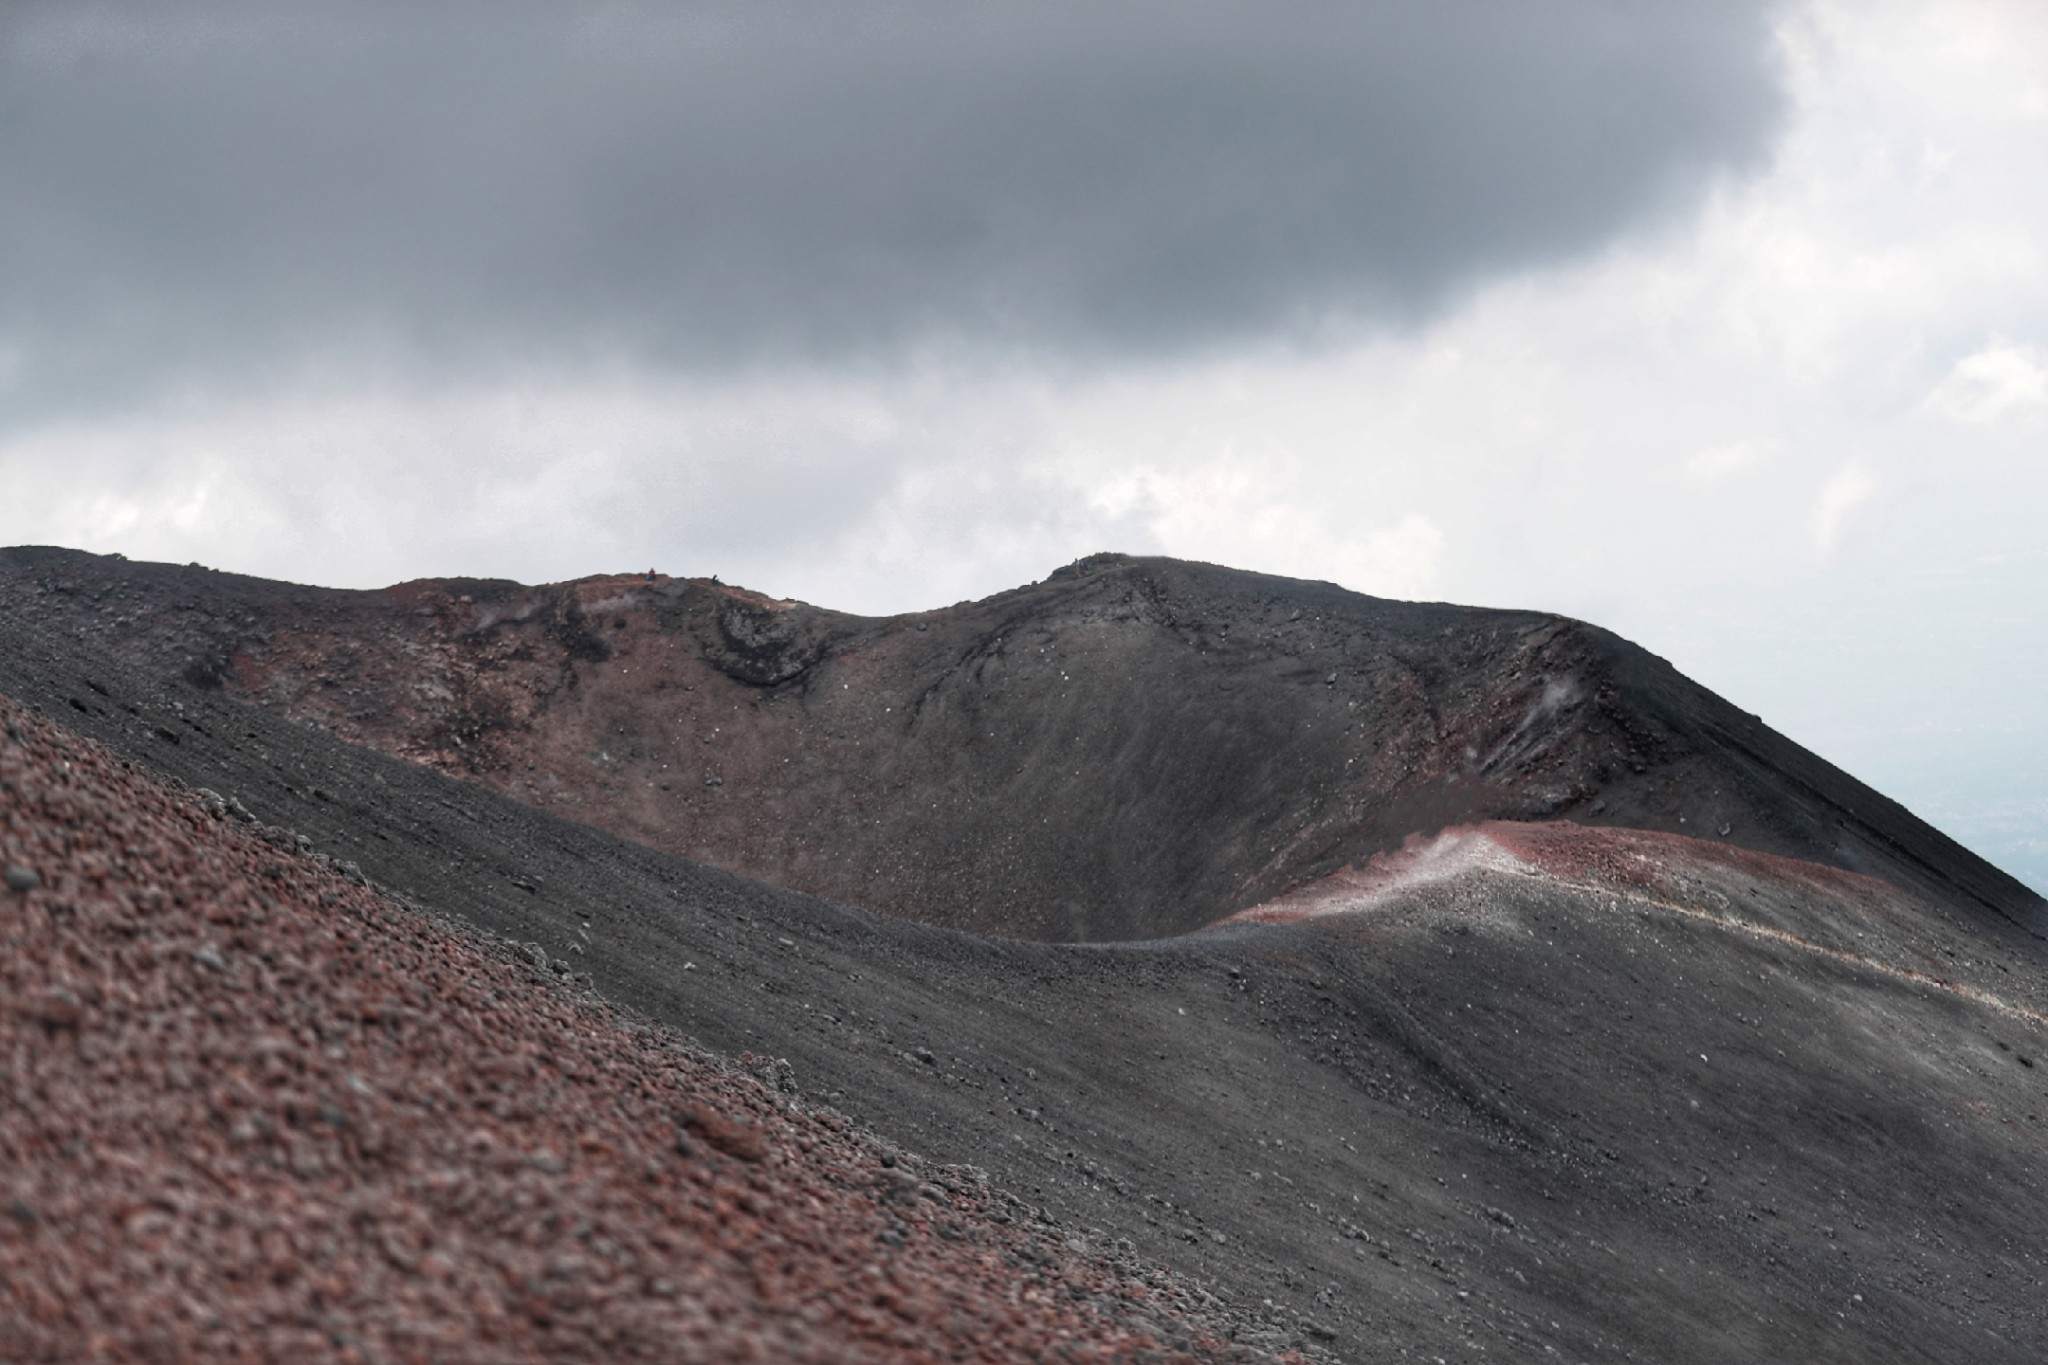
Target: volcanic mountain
(1131, 749)
(1423, 981)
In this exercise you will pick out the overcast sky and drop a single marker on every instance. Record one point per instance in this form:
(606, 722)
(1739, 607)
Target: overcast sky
(1723, 325)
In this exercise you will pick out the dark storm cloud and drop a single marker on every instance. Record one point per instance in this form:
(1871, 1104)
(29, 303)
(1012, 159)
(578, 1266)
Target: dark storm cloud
(203, 189)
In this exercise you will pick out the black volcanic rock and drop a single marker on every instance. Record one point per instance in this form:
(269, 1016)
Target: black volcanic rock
(1132, 748)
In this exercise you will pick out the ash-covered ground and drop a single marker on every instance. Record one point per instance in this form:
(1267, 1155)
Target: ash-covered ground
(258, 1111)
(1498, 1090)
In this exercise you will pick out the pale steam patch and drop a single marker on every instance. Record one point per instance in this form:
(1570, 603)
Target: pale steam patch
(1849, 489)
(2003, 378)
(1392, 878)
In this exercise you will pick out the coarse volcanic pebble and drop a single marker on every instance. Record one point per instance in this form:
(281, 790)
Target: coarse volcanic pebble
(257, 1111)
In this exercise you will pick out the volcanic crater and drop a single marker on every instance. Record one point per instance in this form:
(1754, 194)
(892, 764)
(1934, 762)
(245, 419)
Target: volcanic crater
(1416, 980)
(1131, 749)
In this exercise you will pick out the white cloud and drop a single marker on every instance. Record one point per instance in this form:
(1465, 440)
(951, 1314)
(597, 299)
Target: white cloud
(550, 480)
(1719, 464)
(1400, 560)
(2002, 378)
(1232, 513)
(1841, 495)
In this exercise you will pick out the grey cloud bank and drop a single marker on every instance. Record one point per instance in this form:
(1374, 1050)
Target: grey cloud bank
(222, 193)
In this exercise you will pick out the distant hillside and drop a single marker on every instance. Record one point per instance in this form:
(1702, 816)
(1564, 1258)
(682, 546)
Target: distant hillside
(1132, 748)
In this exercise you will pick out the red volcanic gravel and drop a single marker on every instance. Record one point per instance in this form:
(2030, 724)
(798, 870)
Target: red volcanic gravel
(1651, 858)
(256, 1111)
